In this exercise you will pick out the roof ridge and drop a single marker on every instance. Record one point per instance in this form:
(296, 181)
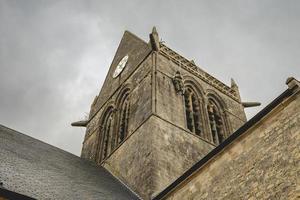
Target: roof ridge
(19, 132)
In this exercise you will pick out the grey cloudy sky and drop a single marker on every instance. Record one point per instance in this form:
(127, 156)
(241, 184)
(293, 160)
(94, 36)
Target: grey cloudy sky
(54, 55)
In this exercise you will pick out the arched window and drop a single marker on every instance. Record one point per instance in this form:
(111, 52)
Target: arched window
(123, 105)
(193, 112)
(107, 129)
(216, 121)
(124, 118)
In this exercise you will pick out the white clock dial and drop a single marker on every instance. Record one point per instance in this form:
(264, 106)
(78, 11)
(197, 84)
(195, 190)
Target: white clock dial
(120, 66)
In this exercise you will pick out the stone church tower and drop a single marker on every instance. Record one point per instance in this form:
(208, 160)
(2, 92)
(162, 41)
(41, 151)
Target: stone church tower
(156, 115)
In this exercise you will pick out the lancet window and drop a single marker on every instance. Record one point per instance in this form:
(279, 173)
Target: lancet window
(216, 121)
(124, 117)
(107, 130)
(193, 111)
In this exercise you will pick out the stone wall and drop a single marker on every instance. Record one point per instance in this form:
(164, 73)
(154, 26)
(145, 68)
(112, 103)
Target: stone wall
(140, 85)
(137, 50)
(175, 150)
(159, 147)
(263, 163)
(155, 155)
(170, 105)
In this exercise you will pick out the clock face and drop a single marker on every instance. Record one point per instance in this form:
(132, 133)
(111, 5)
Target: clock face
(120, 66)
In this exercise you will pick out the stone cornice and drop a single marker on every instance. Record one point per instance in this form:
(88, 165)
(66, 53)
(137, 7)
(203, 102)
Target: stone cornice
(194, 69)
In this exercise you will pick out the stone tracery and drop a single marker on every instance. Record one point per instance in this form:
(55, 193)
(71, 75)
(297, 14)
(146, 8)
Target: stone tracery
(193, 114)
(123, 117)
(204, 113)
(106, 132)
(216, 121)
(113, 126)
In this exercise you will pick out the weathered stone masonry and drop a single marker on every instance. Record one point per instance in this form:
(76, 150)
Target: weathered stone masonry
(163, 124)
(261, 164)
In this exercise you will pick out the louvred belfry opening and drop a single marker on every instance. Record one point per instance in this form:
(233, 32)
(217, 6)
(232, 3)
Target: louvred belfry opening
(192, 110)
(216, 122)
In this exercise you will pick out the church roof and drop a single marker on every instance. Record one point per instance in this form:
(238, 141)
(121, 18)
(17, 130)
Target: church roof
(41, 171)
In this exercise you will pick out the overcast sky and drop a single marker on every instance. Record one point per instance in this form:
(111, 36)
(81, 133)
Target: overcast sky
(54, 55)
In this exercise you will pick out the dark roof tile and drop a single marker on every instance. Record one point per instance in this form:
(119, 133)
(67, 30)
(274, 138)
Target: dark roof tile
(39, 170)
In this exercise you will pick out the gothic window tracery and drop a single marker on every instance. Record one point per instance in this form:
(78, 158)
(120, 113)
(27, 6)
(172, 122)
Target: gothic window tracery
(107, 129)
(124, 118)
(193, 111)
(216, 121)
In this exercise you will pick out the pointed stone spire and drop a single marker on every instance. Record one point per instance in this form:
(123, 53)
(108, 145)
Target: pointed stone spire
(154, 39)
(154, 31)
(233, 84)
(235, 88)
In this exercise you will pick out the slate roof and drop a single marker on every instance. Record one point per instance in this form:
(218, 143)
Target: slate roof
(39, 170)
